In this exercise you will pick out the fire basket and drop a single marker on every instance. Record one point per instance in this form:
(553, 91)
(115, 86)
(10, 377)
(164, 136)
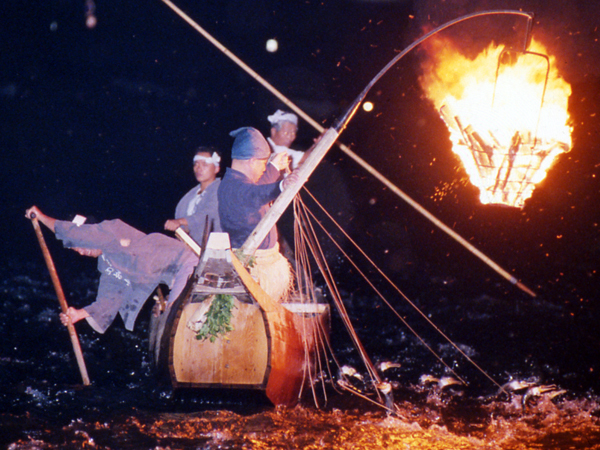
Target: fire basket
(505, 175)
(503, 148)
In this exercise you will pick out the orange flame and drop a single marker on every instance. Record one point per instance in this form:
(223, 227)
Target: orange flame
(505, 127)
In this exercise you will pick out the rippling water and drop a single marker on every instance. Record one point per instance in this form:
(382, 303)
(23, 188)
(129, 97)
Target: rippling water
(44, 407)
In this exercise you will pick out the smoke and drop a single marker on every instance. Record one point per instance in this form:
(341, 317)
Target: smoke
(568, 30)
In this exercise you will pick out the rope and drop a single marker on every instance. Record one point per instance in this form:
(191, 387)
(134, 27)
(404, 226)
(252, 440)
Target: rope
(416, 308)
(305, 283)
(309, 237)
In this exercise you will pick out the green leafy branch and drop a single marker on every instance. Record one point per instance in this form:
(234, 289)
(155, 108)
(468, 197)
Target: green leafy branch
(218, 318)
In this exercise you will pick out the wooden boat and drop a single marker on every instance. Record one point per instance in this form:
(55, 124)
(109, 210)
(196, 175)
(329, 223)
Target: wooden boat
(271, 346)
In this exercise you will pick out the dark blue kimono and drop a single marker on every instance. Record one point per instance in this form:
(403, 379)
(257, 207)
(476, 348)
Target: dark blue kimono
(242, 204)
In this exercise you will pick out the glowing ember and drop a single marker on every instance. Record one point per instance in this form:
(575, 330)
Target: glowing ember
(505, 129)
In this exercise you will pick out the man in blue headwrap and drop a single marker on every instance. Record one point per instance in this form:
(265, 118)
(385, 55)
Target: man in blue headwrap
(249, 185)
(245, 193)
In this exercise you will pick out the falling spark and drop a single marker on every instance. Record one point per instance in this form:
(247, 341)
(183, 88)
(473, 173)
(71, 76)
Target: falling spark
(90, 17)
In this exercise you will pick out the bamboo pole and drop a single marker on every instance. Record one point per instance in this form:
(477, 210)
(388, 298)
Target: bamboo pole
(61, 299)
(361, 162)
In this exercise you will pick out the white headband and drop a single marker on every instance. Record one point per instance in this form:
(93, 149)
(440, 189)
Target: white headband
(214, 159)
(281, 116)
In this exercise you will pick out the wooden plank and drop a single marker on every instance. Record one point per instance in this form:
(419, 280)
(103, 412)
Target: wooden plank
(288, 355)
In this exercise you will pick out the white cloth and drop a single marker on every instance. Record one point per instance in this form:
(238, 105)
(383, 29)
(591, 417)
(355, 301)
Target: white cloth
(196, 207)
(296, 155)
(193, 204)
(281, 116)
(214, 159)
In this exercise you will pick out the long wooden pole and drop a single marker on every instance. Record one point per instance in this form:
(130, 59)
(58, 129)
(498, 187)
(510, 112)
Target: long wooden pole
(361, 162)
(61, 299)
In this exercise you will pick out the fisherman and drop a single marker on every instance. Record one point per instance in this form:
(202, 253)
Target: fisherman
(245, 193)
(131, 263)
(284, 127)
(201, 201)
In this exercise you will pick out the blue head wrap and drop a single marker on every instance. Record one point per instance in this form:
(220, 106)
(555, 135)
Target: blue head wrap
(249, 143)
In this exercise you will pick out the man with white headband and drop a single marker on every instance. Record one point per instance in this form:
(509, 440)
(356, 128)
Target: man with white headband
(201, 201)
(284, 127)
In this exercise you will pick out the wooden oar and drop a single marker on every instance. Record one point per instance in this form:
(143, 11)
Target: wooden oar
(61, 298)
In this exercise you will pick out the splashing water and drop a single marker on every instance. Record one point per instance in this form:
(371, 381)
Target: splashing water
(125, 407)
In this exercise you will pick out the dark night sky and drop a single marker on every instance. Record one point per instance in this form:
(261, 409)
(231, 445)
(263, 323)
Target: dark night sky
(103, 122)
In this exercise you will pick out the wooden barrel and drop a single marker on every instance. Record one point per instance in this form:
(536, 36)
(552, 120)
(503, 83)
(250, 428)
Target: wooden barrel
(239, 358)
(271, 346)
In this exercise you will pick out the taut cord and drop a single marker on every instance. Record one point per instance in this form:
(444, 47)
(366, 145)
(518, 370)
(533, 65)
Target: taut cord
(397, 290)
(300, 212)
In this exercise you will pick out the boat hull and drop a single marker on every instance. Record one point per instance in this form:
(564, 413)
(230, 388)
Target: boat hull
(272, 346)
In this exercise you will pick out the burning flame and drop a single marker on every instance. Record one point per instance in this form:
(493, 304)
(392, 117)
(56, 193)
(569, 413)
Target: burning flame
(507, 124)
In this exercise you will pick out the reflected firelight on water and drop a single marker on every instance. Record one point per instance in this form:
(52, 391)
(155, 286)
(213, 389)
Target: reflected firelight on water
(568, 426)
(43, 407)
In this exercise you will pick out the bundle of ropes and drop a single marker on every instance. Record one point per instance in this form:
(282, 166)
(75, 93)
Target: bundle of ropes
(307, 245)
